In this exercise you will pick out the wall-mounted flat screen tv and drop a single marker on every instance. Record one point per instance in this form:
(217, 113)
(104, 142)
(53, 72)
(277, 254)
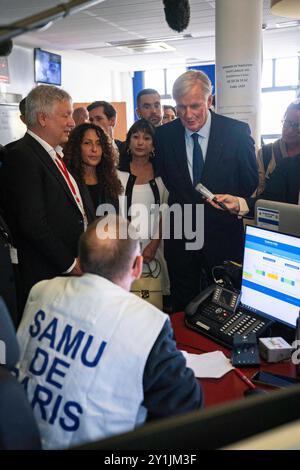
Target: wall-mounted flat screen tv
(47, 67)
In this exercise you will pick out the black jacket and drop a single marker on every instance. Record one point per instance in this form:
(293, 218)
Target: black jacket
(41, 212)
(283, 185)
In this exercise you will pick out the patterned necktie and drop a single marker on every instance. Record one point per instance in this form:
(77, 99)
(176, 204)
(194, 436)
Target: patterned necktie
(198, 162)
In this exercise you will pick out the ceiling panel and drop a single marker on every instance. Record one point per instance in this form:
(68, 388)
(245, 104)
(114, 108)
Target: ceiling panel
(126, 20)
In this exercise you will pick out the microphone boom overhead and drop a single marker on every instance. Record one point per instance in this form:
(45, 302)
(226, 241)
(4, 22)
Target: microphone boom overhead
(6, 48)
(177, 13)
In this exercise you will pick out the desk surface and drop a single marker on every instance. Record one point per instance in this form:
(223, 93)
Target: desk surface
(230, 386)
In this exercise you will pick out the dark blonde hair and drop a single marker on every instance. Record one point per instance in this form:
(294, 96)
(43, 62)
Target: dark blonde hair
(106, 169)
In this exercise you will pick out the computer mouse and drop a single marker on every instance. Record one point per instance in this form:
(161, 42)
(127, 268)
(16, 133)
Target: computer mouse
(254, 391)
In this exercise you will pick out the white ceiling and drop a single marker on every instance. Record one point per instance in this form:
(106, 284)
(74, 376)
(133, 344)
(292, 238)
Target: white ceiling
(140, 20)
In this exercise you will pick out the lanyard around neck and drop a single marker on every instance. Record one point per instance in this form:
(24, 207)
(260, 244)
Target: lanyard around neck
(61, 165)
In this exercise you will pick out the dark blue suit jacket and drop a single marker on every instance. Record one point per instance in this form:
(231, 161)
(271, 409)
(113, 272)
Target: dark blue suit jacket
(230, 167)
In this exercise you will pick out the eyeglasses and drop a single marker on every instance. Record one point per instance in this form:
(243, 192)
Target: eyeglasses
(291, 124)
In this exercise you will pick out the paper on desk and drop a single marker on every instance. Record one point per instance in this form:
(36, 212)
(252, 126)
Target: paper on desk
(209, 365)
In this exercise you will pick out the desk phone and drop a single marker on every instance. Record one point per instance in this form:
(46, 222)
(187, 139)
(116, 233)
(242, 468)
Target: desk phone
(216, 313)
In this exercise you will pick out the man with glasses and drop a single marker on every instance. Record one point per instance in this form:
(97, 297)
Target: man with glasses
(287, 146)
(279, 175)
(283, 186)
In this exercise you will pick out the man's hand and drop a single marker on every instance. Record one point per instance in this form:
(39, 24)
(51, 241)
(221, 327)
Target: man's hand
(231, 202)
(76, 271)
(150, 250)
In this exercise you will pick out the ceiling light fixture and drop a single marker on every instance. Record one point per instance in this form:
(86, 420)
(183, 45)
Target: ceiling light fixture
(288, 24)
(137, 42)
(147, 48)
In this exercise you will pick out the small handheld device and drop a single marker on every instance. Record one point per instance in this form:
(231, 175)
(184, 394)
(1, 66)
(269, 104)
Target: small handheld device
(207, 194)
(245, 351)
(274, 380)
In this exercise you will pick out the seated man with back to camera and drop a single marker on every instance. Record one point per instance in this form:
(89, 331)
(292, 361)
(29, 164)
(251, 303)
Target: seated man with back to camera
(97, 360)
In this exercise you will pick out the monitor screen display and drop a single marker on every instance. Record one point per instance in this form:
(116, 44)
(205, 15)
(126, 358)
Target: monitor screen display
(47, 67)
(271, 274)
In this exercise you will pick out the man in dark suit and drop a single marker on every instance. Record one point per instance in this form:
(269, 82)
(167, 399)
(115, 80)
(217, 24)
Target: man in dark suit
(217, 151)
(44, 206)
(282, 186)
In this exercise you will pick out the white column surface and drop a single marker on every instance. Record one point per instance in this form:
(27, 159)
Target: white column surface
(239, 61)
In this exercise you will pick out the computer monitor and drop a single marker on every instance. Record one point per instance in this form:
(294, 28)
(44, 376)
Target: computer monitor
(271, 275)
(279, 216)
(47, 67)
(211, 428)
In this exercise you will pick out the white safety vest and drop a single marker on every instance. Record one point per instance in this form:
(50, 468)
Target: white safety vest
(84, 344)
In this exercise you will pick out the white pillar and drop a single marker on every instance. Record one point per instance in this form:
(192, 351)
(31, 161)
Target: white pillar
(239, 61)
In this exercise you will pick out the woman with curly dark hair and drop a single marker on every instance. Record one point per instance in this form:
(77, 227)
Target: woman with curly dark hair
(89, 156)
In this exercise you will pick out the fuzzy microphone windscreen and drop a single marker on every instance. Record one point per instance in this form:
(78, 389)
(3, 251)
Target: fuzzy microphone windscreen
(177, 13)
(5, 48)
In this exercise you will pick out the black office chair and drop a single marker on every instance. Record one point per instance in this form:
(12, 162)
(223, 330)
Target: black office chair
(18, 429)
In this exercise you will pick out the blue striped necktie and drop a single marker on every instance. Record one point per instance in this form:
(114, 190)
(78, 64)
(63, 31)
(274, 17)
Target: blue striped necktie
(198, 162)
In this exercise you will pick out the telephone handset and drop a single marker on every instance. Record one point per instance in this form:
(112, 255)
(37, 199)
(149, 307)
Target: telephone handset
(216, 313)
(221, 298)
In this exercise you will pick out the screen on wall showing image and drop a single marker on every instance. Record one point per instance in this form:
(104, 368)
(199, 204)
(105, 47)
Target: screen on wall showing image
(47, 67)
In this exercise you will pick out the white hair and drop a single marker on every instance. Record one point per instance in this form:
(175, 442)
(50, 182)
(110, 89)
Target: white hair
(185, 82)
(42, 99)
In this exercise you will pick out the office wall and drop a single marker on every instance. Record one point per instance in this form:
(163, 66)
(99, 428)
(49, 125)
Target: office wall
(85, 76)
(122, 91)
(121, 127)
(20, 66)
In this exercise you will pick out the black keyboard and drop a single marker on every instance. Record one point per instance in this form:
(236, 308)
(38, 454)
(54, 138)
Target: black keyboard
(220, 325)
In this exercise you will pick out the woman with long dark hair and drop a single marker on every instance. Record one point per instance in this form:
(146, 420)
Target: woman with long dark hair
(90, 157)
(143, 189)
